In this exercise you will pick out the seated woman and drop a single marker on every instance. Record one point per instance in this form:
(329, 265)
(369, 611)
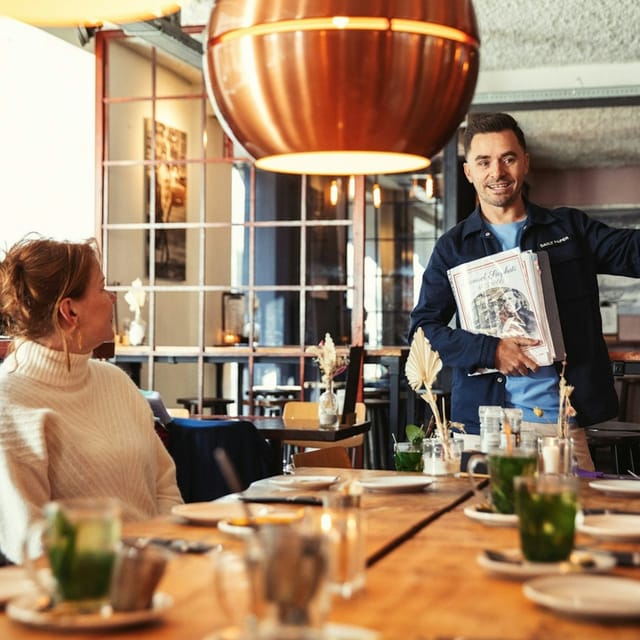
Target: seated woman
(70, 425)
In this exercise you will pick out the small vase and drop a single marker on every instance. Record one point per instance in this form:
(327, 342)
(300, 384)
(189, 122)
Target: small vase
(137, 331)
(328, 408)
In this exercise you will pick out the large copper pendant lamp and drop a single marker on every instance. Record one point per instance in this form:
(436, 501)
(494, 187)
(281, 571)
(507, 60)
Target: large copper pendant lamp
(62, 13)
(338, 87)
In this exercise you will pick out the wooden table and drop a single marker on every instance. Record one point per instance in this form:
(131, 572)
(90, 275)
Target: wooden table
(423, 581)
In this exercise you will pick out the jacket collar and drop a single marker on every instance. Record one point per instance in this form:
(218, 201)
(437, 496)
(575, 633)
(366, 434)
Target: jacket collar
(475, 223)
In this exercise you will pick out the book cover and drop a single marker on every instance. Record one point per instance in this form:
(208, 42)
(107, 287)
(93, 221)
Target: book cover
(505, 295)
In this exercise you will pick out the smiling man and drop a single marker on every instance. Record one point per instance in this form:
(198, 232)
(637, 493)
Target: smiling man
(578, 247)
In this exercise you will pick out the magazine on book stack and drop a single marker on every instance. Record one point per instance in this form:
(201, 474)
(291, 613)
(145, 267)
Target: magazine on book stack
(510, 294)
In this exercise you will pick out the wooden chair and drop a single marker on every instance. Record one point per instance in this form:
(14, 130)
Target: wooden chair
(299, 414)
(329, 457)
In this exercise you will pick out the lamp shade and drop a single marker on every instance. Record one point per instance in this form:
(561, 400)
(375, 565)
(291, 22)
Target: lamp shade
(63, 13)
(336, 87)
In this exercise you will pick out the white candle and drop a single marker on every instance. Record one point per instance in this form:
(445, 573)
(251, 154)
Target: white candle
(551, 458)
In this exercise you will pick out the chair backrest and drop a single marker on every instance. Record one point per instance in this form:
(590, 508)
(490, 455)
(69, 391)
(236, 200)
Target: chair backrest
(354, 377)
(192, 443)
(329, 457)
(296, 410)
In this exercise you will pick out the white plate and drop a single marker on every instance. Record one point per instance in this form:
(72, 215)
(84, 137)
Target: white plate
(617, 487)
(397, 484)
(332, 631)
(14, 582)
(26, 609)
(208, 512)
(610, 526)
(491, 519)
(608, 597)
(303, 482)
(601, 562)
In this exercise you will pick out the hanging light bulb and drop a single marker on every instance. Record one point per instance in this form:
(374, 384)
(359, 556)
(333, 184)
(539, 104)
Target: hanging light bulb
(413, 189)
(333, 193)
(376, 194)
(65, 13)
(261, 58)
(351, 188)
(429, 187)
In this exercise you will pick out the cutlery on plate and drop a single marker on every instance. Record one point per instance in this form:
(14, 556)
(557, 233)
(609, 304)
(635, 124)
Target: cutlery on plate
(305, 500)
(174, 544)
(606, 512)
(635, 475)
(623, 558)
(626, 558)
(578, 562)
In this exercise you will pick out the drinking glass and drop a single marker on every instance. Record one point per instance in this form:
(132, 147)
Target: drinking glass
(79, 538)
(546, 506)
(440, 458)
(136, 573)
(503, 466)
(407, 456)
(277, 588)
(342, 521)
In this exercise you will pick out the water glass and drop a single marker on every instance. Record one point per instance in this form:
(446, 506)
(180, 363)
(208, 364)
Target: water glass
(342, 521)
(80, 538)
(503, 466)
(546, 506)
(441, 458)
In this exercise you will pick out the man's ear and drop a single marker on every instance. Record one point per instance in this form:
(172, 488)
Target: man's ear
(467, 172)
(67, 312)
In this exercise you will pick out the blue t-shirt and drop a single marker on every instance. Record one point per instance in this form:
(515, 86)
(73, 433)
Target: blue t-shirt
(539, 389)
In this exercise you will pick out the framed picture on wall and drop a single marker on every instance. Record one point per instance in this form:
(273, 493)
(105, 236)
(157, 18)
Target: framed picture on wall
(168, 151)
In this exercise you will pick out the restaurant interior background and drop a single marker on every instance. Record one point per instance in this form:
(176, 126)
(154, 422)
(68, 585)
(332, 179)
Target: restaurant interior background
(250, 267)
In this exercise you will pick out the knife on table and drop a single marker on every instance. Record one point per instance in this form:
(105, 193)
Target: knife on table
(299, 500)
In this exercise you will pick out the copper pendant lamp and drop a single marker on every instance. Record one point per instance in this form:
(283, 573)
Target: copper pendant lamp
(337, 87)
(62, 13)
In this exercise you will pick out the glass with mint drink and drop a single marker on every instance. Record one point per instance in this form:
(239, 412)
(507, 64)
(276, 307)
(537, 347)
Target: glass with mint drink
(504, 466)
(80, 541)
(546, 508)
(407, 456)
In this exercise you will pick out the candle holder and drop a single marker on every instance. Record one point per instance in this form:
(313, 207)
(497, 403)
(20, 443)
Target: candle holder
(555, 455)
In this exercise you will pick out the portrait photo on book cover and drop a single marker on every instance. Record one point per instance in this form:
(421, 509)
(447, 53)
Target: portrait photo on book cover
(504, 312)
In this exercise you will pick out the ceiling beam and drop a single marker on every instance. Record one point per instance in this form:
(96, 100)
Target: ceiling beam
(577, 97)
(167, 35)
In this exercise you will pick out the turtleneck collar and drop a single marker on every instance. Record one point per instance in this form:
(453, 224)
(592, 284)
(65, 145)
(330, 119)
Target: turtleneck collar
(48, 366)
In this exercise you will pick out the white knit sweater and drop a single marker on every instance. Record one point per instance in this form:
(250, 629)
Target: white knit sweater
(85, 432)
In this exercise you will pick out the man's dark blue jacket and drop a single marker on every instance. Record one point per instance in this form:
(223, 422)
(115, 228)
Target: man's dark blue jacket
(579, 248)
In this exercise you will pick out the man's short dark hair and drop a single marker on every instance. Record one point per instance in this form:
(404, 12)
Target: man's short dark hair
(491, 123)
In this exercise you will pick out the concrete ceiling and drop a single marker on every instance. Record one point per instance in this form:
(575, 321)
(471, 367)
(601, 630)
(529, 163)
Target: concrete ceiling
(573, 47)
